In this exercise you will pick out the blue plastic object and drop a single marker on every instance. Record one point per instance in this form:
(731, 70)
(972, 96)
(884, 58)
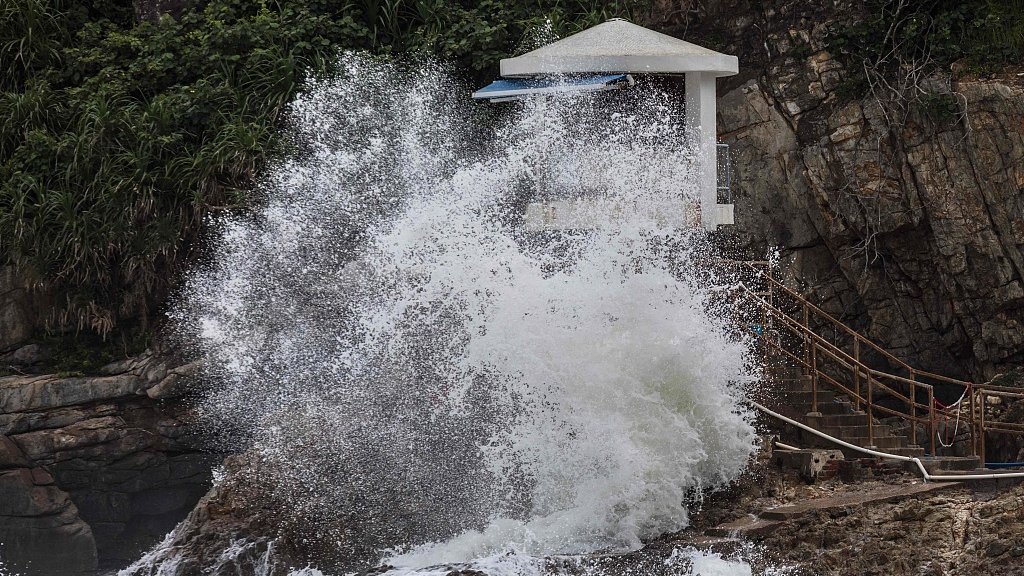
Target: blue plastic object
(518, 88)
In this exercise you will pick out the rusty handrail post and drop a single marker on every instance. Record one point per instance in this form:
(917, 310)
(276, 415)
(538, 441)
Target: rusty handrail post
(764, 327)
(913, 408)
(982, 400)
(931, 420)
(871, 425)
(972, 402)
(807, 339)
(913, 415)
(814, 377)
(856, 373)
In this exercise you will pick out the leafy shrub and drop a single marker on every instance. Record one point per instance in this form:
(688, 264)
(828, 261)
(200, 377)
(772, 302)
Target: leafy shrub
(940, 107)
(898, 44)
(85, 353)
(984, 32)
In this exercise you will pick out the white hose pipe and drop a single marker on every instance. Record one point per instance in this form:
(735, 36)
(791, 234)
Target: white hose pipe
(877, 454)
(786, 446)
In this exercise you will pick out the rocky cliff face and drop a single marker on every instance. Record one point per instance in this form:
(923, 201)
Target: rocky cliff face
(911, 231)
(41, 531)
(95, 470)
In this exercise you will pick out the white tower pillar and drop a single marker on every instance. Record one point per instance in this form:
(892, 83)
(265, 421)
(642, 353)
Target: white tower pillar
(701, 121)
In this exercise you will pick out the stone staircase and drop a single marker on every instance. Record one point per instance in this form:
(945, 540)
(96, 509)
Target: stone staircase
(799, 340)
(789, 392)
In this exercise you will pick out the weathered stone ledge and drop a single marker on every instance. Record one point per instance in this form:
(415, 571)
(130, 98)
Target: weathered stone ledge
(99, 467)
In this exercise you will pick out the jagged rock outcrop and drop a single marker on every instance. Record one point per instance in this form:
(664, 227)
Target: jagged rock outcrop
(100, 468)
(958, 532)
(894, 524)
(230, 531)
(247, 524)
(911, 230)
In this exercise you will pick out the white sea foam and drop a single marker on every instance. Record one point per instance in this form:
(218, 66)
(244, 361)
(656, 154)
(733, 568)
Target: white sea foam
(402, 354)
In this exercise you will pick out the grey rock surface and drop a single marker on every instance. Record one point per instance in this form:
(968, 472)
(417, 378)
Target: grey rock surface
(26, 356)
(911, 232)
(97, 463)
(41, 530)
(153, 10)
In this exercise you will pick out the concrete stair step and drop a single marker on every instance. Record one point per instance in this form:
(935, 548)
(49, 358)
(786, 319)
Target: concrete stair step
(911, 450)
(844, 432)
(783, 372)
(834, 408)
(791, 386)
(804, 438)
(798, 384)
(883, 443)
(843, 501)
(824, 396)
(772, 519)
(948, 464)
(787, 373)
(845, 419)
(791, 382)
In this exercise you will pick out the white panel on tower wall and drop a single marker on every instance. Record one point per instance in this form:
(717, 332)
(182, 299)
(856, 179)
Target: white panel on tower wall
(588, 213)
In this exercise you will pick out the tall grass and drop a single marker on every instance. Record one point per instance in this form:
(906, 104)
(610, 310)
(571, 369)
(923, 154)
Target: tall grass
(31, 33)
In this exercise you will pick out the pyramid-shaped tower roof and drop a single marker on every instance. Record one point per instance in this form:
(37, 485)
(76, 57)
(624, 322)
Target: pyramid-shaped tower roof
(617, 46)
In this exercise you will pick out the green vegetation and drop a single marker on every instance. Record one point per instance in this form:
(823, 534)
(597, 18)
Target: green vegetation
(86, 353)
(941, 107)
(72, 354)
(800, 49)
(119, 139)
(906, 38)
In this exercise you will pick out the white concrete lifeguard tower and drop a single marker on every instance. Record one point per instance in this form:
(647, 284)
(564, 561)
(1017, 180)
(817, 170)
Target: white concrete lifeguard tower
(603, 58)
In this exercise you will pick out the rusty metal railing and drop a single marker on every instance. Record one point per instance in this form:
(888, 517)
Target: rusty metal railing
(840, 361)
(980, 396)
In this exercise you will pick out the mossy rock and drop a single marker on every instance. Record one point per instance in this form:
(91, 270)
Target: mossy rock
(1012, 379)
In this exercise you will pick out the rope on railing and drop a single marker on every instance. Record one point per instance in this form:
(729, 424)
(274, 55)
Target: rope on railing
(946, 409)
